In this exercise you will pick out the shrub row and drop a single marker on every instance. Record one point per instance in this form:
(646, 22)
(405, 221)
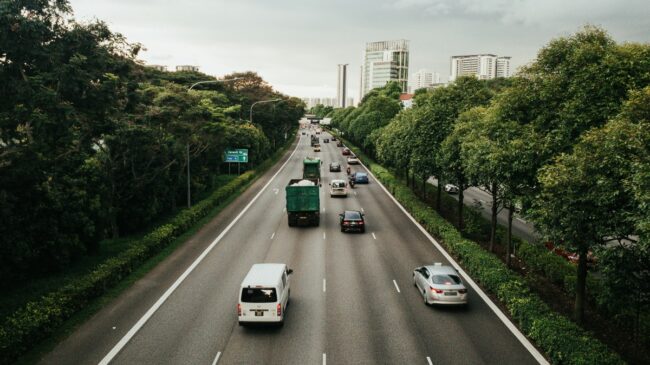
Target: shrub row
(562, 340)
(38, 319)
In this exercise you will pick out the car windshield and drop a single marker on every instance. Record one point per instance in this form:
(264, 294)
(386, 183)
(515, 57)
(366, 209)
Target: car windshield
(352, 215)
(258, 295)
(446, 279)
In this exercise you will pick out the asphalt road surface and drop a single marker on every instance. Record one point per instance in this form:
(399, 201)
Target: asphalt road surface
(352, 295)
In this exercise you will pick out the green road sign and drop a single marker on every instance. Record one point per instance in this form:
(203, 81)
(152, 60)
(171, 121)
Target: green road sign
(236, 155)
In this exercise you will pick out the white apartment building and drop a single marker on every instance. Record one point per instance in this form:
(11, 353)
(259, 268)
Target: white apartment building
(383, 62)
(423, 79)
(187, 68)
(503, 67)
(158, 67)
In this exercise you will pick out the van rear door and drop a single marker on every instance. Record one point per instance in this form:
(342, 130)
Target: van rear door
(259, 304)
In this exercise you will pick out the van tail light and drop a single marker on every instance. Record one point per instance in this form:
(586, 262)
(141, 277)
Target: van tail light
(239, 309)
(434, 290)
(462, 291)
(279, 309)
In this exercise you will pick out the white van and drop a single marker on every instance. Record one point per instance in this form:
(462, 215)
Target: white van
(264, 294)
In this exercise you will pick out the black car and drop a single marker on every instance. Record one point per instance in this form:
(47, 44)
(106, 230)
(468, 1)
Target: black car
(326, 140)
(339, 144)
(333, 138)
(352, 220)
(335, 167)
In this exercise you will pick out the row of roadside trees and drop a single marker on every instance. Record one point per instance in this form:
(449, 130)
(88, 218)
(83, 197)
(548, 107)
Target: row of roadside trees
(567, 139)
(94, 145)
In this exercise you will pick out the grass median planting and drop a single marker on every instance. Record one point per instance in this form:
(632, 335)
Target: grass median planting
(559, 338)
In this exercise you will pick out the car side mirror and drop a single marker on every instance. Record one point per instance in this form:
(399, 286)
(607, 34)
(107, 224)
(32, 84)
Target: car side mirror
(289, 271)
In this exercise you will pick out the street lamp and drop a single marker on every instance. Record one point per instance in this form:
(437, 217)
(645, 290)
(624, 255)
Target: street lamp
(187, 149)
(260, 102)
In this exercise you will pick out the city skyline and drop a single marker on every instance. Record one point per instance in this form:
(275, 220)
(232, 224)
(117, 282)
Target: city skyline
(212, 35)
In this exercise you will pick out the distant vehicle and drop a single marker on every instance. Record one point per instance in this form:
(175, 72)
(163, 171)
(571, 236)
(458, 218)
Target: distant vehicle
(353, 160)
(326, 140)
(439, 284)
(317, 148)
(264, 294)
(338, 188)
(333, 138)
(352, 220)
(314, 140)
(339, 144)
(346, 152)
(303, 202)
(359, 177)
(311, 168)
(451, 189)
(335, 167)
(303, 133)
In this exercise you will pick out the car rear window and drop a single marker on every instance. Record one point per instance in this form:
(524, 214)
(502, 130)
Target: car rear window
(361, 174)
(259, 295)
(352, 215)
(446, 279)
(338, 184)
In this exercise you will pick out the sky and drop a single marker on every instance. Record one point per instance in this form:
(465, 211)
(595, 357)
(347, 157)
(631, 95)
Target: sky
(296, 45)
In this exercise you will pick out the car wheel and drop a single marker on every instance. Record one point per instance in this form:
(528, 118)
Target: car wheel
(342, 230)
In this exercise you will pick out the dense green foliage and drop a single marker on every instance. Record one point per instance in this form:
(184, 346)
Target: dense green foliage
(567, 139)
(93, 144)
(321, 111)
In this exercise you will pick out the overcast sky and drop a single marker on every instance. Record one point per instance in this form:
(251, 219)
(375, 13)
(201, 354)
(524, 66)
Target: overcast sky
(296, 44)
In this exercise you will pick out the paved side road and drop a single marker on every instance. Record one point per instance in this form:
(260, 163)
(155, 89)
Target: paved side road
(477, 197)
(352, 299)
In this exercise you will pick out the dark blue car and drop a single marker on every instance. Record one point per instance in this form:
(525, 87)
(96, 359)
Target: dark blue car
(359, 177)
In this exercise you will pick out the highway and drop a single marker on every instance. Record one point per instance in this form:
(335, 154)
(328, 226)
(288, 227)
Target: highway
(352, 296)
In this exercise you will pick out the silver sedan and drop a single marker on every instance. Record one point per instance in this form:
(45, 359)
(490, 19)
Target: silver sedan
(439, 284)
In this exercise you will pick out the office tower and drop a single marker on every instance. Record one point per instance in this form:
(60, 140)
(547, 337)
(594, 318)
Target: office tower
(503, 67)
(383, 62)
(482, 66)
(341, 86)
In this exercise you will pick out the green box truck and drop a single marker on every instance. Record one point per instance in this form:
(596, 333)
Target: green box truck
(311, 168)
(303, 202)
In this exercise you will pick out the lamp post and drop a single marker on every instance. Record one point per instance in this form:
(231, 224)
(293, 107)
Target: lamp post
(260, 102)
(187, 149)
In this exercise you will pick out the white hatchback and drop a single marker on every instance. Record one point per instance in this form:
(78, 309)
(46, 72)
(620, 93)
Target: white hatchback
(440, 284)
(338, 188)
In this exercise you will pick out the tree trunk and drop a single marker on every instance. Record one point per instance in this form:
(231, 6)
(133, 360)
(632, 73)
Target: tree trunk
(509, 248)
(438, 195)
(461, 198)
(493, 224)
(581, 283)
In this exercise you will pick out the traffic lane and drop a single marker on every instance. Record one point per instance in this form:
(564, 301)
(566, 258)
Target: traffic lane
(301, 339)
(199, 315)
(475, 196)
(472, 335)
(89, 343)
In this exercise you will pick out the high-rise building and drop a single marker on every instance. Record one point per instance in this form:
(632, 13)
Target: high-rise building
(158, 67)
(503, 67)
(423, 79)
(383, 62)
(482, 66)
(187, 68)
(342, 86)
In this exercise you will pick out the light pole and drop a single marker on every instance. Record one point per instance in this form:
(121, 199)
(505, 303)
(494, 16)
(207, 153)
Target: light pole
(260, 102)
(187, 149)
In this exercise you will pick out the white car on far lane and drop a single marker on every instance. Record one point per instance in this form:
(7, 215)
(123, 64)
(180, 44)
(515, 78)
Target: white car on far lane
(338, 188)
(439, 284)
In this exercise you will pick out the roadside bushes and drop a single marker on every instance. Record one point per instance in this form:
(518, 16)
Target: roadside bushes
(560, 339)
(38, 319)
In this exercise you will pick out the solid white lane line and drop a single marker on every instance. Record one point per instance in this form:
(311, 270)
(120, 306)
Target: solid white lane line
(216, 359)
(324, 235)
(396, 287)
(324, 359)
(373, 235)
(273, 235)
(136, 327)
(324, 286)
(429, 360)
(515, 331)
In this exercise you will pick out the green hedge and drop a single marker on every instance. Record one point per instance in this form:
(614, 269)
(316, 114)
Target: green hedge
(39, 319)
(562, 340)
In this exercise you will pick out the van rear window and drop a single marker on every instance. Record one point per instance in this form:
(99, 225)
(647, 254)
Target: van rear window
(258, 295)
